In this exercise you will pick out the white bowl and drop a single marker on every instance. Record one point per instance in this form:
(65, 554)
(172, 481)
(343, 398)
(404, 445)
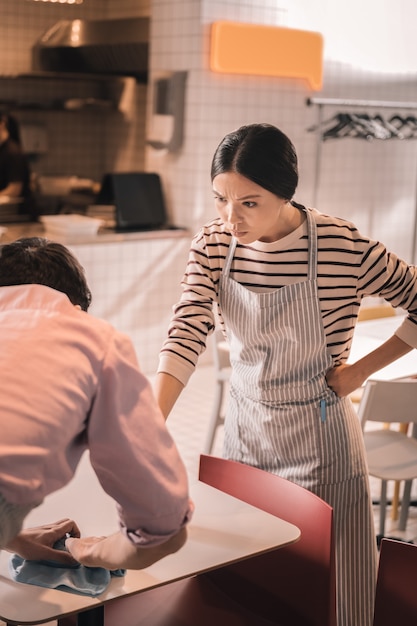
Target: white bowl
(71, 224)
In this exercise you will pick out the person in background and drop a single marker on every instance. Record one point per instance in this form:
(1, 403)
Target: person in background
(15, 177)
(286, 283)
(70, 382)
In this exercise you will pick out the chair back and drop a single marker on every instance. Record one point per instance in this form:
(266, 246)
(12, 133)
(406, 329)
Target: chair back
(296, 584)
(389, 401)
(396, 597)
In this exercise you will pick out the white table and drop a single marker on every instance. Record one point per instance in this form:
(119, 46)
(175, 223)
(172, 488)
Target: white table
(370, 335)
(223, 530)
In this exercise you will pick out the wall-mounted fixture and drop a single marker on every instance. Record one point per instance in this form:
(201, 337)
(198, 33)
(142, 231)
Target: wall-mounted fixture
(34, 139)
(114, 47)
(167, 125)
(240, 48)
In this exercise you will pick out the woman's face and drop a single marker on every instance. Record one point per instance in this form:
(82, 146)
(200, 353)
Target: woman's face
(249, 211)
(3, 129)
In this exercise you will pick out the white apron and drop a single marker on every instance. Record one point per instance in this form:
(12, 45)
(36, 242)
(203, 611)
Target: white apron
(282, 417)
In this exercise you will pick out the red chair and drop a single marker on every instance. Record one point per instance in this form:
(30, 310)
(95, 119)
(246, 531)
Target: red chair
(295, 585)
(396, 587)
(291, 586)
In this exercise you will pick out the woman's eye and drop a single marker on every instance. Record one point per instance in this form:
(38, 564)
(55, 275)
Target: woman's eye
(249, 204)
(219, 199)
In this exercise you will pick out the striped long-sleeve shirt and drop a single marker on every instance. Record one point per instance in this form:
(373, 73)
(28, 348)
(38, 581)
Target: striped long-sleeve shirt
(349, 267)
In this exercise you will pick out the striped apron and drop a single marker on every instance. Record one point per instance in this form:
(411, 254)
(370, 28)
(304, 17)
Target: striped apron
(282, 417)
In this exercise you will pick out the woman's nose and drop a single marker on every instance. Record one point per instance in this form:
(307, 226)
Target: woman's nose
(232, 214)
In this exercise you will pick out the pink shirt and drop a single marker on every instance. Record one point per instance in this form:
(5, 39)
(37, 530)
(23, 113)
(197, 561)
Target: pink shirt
(71, 382)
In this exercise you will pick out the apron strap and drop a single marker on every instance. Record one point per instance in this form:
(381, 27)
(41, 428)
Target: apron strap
(312, 245)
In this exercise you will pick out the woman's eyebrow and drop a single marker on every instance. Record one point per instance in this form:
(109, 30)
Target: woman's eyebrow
(248, 197)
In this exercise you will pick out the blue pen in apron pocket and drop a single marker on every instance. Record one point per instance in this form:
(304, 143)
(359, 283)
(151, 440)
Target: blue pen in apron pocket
(323, 410)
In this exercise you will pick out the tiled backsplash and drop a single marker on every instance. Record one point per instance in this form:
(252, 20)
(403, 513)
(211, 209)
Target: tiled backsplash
(86, 142)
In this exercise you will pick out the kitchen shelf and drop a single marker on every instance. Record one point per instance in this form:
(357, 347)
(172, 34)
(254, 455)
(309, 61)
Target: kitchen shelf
(52, 91)
(71, 105)
(66, 76)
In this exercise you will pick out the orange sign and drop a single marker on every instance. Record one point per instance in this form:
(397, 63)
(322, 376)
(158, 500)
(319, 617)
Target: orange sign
(238, 48)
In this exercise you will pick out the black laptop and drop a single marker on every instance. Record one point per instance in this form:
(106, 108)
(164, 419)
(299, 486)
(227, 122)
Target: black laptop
(138, 200)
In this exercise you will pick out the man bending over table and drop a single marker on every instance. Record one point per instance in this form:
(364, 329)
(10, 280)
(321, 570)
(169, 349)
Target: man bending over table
(70, 383)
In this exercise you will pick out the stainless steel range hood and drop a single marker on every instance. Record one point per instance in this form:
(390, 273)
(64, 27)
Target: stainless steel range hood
(113, 47)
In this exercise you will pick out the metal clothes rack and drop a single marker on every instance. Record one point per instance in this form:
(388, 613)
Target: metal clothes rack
(341, 102)
(389, 104)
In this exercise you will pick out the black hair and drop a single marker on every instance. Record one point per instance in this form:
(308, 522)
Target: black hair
(263, 154)
(12, 126)
(35, 260)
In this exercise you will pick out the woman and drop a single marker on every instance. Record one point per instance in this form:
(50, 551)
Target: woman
(14, 167)
(287, 283)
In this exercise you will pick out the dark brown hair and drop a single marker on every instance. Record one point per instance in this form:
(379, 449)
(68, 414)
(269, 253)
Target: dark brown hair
(34, 260)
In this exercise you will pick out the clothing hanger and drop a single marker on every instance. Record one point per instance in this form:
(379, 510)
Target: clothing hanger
(395, 132)
(340, 118)
(406, 125)
(366, 126)
(344, 128)
(374, 127)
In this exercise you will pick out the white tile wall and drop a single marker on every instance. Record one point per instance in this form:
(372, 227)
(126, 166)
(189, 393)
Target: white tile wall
(134, 285)
(372, 183)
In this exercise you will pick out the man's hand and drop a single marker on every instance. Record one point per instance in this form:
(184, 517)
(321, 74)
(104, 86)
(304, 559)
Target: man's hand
(116, 551)
(35, 544)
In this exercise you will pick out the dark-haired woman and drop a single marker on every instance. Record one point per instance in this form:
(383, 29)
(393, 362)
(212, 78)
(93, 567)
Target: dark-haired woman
(287, 283)
(15, 175)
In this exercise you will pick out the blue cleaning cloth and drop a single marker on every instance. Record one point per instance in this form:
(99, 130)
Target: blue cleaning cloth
(77, 578)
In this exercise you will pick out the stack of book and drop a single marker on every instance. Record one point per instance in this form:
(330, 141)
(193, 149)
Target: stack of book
(105, 212)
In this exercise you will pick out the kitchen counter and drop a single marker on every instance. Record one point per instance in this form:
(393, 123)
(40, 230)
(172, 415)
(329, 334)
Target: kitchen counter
(134, 278)
(105, 235)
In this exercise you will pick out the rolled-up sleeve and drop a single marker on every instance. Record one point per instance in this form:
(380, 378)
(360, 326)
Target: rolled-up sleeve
(133, 453)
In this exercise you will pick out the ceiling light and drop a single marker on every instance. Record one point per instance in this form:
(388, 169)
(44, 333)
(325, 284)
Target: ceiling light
(59, 1)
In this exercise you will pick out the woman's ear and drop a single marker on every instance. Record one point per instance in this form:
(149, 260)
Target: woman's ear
(78, 306)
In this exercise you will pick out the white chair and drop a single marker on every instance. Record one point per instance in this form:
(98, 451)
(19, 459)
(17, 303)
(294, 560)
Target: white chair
(366, 313)
(391, 454)
(223, 370)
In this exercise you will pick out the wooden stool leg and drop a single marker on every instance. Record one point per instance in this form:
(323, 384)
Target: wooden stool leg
(395, 501)
(403, 428)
